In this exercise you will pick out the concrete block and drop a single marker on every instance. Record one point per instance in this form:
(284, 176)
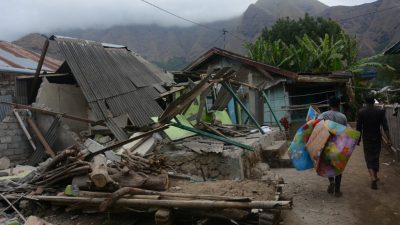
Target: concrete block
(19, 151)
(13, 125)
(92, 145)
(17, 138)
(15, 145)
(3, 147)
(3, 126)
(5, 139)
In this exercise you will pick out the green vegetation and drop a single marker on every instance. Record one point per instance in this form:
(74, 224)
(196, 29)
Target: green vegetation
(285, 29)
(307, 45)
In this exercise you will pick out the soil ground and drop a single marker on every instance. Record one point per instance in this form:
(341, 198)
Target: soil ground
(359, 205)
(257, 190)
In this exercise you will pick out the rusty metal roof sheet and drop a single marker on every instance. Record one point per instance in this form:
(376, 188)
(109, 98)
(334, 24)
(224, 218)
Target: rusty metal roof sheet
(112, 80)
(245, 60)
(15, 59)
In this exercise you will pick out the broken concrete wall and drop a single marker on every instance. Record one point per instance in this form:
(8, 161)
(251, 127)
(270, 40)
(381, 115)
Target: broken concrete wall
(225, 165)
(64, 98)
(231, 163)
(13, 142)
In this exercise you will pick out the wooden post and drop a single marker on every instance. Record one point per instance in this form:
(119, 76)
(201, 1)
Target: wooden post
(41, 138)
(99, 174)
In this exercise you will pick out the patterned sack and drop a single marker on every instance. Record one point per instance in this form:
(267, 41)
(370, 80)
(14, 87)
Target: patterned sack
(338, 150)
(297, 152)
(317, 141)
(313, 113)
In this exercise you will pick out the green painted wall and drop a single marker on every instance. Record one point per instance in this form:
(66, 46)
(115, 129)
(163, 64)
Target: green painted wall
(277, 98)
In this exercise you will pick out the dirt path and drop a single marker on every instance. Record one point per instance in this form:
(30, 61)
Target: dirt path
(359, 205)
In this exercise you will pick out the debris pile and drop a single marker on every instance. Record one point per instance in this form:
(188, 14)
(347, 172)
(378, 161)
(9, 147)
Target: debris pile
(120, 140)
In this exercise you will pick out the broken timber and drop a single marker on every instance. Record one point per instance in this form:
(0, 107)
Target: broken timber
(41, 138)
(47, 112)
(213, 136)
(122, 143)
(196, 204)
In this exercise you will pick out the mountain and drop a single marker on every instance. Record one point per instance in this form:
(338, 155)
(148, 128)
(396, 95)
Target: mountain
(376, 25)
(180, 45)
(175, 47)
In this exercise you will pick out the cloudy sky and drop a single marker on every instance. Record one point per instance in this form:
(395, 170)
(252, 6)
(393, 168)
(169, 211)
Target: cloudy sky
(20, 17)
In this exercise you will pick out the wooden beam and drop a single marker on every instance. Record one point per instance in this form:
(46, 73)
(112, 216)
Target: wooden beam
(41, 138)
(47, 112)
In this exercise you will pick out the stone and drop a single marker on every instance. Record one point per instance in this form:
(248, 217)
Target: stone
(4, 163)
(104, 140)
(92, 145)
(189, 168)
(33, 220)
(214, 173)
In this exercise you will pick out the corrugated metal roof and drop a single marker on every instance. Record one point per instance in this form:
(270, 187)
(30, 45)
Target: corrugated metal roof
(15, 59)
(4, 108)
(245, 60)
(394, 50)
(112, 80)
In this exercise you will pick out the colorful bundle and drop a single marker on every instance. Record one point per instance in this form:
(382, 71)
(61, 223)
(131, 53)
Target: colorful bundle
(297, 152)
(325, 144)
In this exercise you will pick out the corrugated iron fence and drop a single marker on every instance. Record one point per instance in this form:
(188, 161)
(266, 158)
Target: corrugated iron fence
(393, 117)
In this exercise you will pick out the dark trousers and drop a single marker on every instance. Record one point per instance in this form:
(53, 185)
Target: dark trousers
(337, 180)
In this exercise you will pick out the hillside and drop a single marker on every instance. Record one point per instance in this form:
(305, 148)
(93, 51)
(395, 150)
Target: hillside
(173, 47)
(179, 45)
(375, 31)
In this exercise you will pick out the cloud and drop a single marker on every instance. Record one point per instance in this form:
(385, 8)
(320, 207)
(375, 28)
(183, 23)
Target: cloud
(345, 2)
(20, 17)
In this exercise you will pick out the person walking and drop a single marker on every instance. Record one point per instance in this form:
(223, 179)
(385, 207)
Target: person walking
(334, 115)
(370, 119)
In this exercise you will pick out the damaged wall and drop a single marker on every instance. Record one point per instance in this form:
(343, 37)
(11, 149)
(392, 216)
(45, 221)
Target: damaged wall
(13, 142)
(7, 84)
(64, 98)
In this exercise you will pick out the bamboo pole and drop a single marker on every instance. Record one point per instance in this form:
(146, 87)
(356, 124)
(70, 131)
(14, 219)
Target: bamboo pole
(25, 130)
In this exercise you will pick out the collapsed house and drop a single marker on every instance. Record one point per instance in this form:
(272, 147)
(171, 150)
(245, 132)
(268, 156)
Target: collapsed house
(269, 93)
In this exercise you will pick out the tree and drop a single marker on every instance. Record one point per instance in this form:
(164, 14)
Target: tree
(285, 29)
(306, 45)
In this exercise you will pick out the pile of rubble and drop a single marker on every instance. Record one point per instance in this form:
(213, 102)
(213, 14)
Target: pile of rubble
(104, 135)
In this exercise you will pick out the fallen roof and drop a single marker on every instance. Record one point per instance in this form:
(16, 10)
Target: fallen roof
(394, 50)
(245, 60)
(15, 59)
(113, 80)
